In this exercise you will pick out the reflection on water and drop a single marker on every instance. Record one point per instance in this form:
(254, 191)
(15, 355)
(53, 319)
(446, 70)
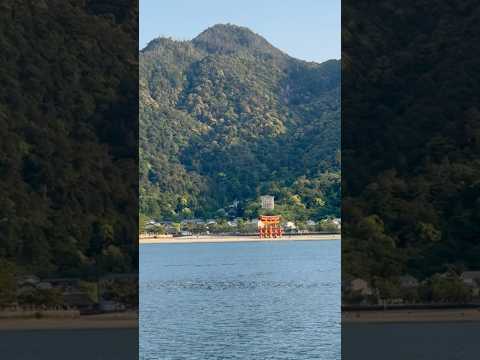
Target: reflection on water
(269, 300)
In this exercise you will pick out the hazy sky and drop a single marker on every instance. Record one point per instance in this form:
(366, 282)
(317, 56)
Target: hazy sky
(306, 29)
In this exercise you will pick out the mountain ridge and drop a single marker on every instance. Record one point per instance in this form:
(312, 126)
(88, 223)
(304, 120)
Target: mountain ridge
(209, 35)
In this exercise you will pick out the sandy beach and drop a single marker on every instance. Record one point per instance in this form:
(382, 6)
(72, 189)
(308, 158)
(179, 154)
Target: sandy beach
(214, 239)
(103, 321)
(398, 316)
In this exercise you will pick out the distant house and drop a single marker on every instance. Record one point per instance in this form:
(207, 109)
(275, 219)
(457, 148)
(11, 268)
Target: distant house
(25, 288)
(78, 300)
(337, 222)
(118, 291)
(44, 285)
(472, 280)
(28, 285)
(471, 277)
(360, 286)
(110, 306)
(192, 222)
(232, 223)
(151, 227)
(311, 223)
(28, 280)
(290, 226)
(170, 229)
(408, 282)
(69, 285)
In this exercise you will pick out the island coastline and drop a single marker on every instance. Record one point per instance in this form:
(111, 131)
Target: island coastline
(126, 320)
(410, 316)
(235, 238)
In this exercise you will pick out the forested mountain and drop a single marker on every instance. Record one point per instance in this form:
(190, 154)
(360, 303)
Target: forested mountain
(226, 117)
(411, 140)
(68, 148)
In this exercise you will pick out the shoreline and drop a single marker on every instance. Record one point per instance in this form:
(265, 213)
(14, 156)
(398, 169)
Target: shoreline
(83, 322)
(411, 316)
(235, 238)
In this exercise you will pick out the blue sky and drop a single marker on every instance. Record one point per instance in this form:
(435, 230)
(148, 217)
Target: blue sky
(305, 29)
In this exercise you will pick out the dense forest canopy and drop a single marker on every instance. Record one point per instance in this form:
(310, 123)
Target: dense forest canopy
(411, 139)
(227, 117)
(68, 129)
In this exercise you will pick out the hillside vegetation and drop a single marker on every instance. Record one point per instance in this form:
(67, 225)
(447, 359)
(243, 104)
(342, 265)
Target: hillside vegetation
(227, 117)
(411, 139)
(68, 104)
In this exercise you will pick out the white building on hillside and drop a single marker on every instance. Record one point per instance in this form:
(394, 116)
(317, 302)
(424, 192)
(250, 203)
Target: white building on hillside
(268, 202)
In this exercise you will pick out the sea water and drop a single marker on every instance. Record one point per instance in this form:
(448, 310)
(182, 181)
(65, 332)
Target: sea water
(258, 300)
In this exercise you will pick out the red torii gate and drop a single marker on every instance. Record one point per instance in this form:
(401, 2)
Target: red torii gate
(269, 226)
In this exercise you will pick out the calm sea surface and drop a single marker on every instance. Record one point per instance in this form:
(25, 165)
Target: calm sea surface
(416, 341)
(90, 344)
(262, 300)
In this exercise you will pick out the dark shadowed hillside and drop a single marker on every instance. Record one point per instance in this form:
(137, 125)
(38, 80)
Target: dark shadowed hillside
(68, 160)
(226, 117)
(411, 144)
